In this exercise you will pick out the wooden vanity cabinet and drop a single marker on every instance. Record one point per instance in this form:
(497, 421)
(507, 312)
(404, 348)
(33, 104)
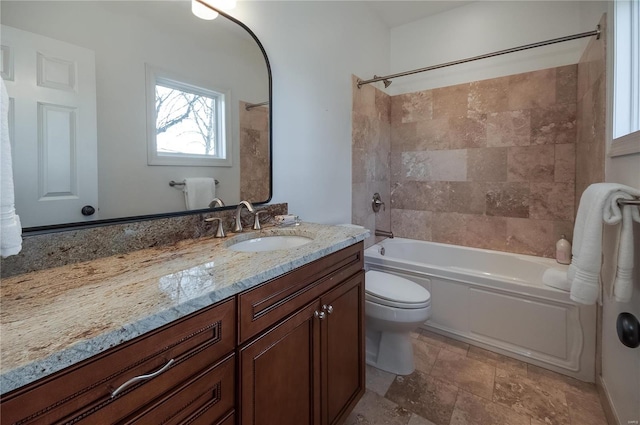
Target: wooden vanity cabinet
(308, 368)
(288, 352)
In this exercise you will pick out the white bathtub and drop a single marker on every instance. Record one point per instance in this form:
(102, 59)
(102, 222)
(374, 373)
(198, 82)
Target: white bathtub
(497, 301)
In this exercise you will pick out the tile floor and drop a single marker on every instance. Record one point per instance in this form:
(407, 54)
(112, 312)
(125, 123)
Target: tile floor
(458, 384)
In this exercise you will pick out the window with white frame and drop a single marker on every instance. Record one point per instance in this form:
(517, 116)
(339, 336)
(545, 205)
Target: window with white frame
(626, 72)
(187, 123)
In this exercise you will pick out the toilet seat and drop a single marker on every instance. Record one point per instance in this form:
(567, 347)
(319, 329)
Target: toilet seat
(394, 291)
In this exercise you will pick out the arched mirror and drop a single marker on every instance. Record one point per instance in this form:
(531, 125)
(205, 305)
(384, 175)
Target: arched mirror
(113, 104)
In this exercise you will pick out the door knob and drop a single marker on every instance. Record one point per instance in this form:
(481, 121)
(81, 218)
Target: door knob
(628, 330)
(88, 210)
(328, 308)
(319, 314)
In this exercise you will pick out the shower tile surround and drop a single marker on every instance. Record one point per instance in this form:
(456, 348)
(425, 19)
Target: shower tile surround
(487, 164)
(591, 111)
(254, 152)
(50, 250)
(371, 132)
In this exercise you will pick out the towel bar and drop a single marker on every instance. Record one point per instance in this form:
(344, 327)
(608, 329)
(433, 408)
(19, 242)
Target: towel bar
(628, 201)
(173, 183)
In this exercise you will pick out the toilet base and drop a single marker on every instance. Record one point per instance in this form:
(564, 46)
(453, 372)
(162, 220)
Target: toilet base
(390, 351)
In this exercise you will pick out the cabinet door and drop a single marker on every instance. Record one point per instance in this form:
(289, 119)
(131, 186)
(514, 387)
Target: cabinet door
(343, 349)
(280, 373)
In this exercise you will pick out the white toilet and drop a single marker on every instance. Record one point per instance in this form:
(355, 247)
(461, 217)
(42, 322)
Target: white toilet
(394, 306)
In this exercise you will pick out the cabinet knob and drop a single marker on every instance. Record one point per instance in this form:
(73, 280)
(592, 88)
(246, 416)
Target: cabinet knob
(328, 308)
(320, 315)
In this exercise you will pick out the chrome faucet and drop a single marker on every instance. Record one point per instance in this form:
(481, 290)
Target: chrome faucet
(217, 202)
(238, 226)
(384, 233)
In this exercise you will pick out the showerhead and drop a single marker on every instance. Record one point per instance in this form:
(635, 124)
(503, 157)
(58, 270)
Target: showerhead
(375, 79)
(386, 82)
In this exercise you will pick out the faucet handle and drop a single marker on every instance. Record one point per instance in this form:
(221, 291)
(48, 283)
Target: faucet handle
(256, 220)
(376, 202)
(220, 231)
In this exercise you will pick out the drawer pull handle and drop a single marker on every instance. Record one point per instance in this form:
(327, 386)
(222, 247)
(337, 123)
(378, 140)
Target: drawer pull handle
(141, 378)
(328, 308)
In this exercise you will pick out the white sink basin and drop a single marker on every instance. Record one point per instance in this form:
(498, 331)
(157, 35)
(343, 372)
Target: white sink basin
(270, 243)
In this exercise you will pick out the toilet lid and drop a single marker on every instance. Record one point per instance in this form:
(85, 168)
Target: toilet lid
(395, 291)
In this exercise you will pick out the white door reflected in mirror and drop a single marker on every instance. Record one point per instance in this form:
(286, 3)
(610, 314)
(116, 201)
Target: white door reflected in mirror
(54, 128)
(188, 121)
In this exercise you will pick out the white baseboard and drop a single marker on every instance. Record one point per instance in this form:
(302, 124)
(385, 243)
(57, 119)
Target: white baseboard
(607, 405)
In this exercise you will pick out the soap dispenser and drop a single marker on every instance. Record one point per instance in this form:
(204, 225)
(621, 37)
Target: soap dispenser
(563, 251)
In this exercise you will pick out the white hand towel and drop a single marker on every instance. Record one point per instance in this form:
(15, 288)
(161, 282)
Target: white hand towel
(597, 205)
(199, 192)
(10, 228)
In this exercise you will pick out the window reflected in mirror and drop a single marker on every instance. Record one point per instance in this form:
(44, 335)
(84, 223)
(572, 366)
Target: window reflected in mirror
(188, 121)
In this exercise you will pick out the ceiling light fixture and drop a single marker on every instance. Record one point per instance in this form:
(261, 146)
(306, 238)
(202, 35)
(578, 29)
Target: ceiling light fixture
(203, 8)
(202, 11)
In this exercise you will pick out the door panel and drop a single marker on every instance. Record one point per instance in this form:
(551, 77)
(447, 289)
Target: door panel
(53, 127)
(620, 364)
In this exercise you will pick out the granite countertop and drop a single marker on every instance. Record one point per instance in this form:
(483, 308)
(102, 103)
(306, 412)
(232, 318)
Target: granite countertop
(57, 317)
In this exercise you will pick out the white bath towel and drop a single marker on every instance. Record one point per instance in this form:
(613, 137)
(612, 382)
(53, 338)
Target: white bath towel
(556, 278)
(10, 228)
(199, 192)
(623, 283)
(597, 205)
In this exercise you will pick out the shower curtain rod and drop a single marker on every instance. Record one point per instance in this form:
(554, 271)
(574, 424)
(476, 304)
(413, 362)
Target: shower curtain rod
(387, 78)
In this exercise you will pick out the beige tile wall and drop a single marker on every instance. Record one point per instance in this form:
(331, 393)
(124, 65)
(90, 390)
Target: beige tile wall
(254, 153)
(488, 164)
(591, 107)
(371, 133)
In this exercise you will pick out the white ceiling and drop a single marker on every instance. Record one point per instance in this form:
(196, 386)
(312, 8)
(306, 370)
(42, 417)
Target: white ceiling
(400, 12)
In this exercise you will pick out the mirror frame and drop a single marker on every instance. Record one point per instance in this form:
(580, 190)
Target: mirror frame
(54, 228)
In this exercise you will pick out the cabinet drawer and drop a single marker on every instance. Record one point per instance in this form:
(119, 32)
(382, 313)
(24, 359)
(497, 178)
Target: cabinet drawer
(84, 390)
(263, 306)
(204, 398)
(229, 419)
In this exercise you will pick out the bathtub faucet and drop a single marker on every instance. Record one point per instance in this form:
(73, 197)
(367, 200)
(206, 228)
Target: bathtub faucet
(384, 233)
